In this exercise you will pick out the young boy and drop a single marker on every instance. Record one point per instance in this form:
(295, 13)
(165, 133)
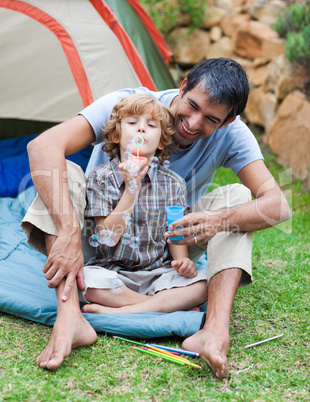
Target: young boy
(132, 270)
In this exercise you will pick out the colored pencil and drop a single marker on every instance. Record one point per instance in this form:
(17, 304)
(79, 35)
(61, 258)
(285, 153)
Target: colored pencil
(173, 359)
(165, 352)
(176, 358)
(181, 351)
(159, 352)
(265, 340)
(153, 353)
(129, 340)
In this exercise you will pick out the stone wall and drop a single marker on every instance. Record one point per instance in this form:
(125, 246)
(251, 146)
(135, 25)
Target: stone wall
(242, 30)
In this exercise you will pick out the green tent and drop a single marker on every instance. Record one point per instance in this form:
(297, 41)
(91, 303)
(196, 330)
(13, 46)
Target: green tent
(58, 56)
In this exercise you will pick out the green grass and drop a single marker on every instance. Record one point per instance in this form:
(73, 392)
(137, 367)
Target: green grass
(277, 302)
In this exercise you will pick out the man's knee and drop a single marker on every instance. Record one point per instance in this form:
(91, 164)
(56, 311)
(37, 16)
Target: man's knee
(238, 194)
(225, 197)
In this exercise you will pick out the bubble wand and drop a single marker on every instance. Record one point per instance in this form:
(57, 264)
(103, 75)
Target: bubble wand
(138, 141)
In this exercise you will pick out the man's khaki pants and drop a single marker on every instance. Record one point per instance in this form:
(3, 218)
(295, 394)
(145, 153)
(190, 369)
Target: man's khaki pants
(225, 250)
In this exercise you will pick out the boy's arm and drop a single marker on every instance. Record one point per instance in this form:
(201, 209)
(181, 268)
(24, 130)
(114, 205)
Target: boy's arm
(115, 221)
(181, 263)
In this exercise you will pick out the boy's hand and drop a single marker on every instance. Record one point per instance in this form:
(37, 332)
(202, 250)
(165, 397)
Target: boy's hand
(128, 178)
(185, 267)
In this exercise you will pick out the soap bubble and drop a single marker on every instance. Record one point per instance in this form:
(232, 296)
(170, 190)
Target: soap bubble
(113, 193)
(101, 236)
(134, 242)
(154, 161)
(127, 218)
(132, 167)
(138, 141)
(130, 147)
(132, 187)
(128, 155)
(126, 238)
(111, 239)
(166, 163)
(116, 287)
(93, 241)
(107, 237)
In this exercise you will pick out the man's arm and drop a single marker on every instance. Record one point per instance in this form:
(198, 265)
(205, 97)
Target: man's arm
(48, 168)
(269, 208)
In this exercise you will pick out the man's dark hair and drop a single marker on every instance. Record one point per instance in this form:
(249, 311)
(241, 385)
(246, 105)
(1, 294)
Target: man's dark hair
(225, 82)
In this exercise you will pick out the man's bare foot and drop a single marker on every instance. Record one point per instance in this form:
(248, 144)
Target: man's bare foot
(212, 345)
(69, 332)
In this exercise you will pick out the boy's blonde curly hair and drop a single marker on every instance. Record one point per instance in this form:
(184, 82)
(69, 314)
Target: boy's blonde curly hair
(139, 104)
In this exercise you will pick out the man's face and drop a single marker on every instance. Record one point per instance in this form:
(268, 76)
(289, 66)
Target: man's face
(195, 117)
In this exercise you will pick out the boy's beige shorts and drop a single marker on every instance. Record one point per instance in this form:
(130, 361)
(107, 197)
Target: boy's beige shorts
(225, 250)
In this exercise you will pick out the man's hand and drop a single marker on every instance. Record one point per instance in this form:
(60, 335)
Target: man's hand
(201, 226)
(65, 260)
(185, 267)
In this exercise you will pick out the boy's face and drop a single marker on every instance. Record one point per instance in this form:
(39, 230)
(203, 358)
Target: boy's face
(146, 127)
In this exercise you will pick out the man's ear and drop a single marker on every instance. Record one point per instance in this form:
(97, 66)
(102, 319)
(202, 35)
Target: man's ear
(183, 85)
(227, 122)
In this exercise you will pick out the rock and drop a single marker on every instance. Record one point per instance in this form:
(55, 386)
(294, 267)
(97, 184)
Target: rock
(261, 108)
(232, 22)
(226, 4)
(189, 47)
(247, 64)
(250, 38)
(289, 136)
(229, 4)
(280, 79)
(176, 75)
(184, 20)
(222, 48)
(267, 11)
(215, 34)
(271, 48)
(259, 76)
(213, 16)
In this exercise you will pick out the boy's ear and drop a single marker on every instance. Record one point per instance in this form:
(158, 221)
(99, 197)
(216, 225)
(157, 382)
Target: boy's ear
(160, 146)
(115, 138)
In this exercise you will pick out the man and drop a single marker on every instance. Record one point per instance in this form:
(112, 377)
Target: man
(210, 134)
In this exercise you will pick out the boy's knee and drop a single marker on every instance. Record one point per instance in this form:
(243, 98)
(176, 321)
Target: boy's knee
(201, 290)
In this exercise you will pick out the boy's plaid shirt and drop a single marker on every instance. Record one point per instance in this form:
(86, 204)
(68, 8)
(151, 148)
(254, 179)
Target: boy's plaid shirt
(160, 188)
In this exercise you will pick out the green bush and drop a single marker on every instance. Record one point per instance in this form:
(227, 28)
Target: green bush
(165, 12)
(294, 27)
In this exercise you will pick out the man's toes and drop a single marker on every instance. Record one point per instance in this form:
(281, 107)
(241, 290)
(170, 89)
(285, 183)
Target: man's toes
(54, 362)
(221, 371)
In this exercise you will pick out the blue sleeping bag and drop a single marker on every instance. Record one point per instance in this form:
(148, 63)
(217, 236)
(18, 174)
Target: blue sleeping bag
(23, 288)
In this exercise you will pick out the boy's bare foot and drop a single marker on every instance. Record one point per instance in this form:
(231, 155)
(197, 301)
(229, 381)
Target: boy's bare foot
(70, 331)
(94, 308)
(212, 345)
